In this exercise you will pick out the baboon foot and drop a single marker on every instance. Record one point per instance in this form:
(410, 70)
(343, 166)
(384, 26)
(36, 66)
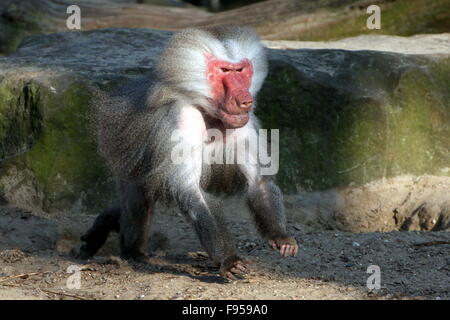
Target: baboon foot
(233, 266)
(287, 246)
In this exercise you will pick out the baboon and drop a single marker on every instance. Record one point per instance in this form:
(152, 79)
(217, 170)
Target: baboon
(205, 79)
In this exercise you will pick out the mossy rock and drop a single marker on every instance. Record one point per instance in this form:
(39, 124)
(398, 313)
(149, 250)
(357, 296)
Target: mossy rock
(48, 135)
(357, 117)
(20, 117)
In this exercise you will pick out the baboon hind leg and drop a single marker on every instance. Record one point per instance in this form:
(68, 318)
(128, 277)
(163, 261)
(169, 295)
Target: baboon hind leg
(96, 236)
(137, 211)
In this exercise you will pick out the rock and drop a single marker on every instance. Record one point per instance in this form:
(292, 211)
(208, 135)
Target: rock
(348, 120)
(307, 20)
(404, 203)
(330, 20)
(418, 44)
(19, 186)
(21, 18)
(351, 117)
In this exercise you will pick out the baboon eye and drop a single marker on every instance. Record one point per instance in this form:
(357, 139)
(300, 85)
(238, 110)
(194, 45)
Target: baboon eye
(226, 70)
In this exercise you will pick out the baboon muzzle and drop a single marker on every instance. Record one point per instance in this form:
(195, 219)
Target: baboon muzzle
(238, 99)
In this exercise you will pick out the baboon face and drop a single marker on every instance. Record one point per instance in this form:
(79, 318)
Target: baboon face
(221, 70)
(230, 85)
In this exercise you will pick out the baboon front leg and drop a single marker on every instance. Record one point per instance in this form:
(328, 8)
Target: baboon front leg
(265, 201)
(96, 236)
(204, 212)
(137, 211)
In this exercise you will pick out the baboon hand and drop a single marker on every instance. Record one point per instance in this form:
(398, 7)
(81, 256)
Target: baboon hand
(286, 245)
(233, 266)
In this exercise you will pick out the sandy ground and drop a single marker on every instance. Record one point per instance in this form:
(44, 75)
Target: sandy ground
(36, 251)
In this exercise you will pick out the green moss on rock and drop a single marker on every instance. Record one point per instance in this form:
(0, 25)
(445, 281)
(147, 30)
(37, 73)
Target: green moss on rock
(419, 124)
(48, 134)
(336, 137)
(20, 117)
(64, 160)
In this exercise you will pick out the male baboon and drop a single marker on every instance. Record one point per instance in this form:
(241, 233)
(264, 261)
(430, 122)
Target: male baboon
(205, 79)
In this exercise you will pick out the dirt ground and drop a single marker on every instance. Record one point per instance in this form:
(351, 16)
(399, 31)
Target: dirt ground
(36, 250)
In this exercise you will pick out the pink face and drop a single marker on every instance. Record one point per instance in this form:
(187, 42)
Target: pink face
(230, 83)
